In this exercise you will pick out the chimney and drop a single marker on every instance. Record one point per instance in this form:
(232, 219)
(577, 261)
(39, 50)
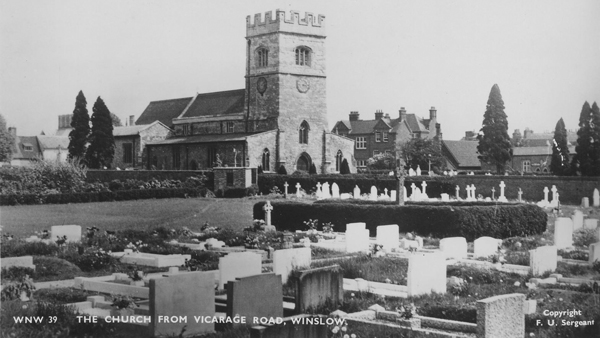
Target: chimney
(387, 116)
(438, 131)
(378, 114)
(13, 131)
(64, 121)
(131, 120)
(353, 116)
(469, 135)
(527, 133)
(402, 114)
(432, 114)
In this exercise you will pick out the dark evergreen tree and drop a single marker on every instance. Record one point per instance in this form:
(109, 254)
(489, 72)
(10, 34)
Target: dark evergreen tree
(494, 146)
(101, 150)
(281, 170)
(78, 137)
(7, 141)
(312, 170)
(559, 165)
(345, 169)
(595, 146)
(582, 161)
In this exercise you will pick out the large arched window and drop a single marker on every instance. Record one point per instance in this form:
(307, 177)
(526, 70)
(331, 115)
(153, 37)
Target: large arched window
(266, 160)
(338, 161)
(303, 133)
(262, 57)
(303, 56)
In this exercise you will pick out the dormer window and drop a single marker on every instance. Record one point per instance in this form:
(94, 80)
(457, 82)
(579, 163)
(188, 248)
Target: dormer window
(303, 55)
(262, 57)
(27, 147)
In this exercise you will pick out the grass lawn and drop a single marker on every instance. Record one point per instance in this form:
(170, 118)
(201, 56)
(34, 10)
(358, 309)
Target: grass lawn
(141, 214)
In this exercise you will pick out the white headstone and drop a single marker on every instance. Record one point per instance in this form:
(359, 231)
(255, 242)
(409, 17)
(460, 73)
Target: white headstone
(388, 236)
(520, 195)
(457, 192)
(335, 190)
(325, 189)
(404, 193)
(418, 170)
(473, 192)
(596, 198)
(563, 233)
(577, 219)
(285, 186)
(268, 208)
(393, 194)
(546, 191)
(424, 192)
(486, 246)
(454, 247)
(411, 172)
(298, 186)
(585, 202)
(594, 252)
(426, 273)
(284, 261)
(345, 196)
(356, 226)
(419, 240)
(445, 197)
(373, 194)
(543, 259)
(590, 223)
(73, 232)
(502, 198)
(357, 239)
(238, 264)
(319, 192)
(356, 193)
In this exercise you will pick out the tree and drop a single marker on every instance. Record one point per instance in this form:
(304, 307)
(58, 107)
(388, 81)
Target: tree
(312, 170)
(101, 150)
(345, 168)
(383, 161)
(559, 165)
(116, 121)
(78, 137)
(6, 141)
(419, 152)
(494, 143)
(582, 161)
(281, 170)
(595, 133)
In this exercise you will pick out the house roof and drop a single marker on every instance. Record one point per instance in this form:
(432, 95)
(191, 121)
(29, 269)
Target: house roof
(202, 139)
(531, 151)
(164, 111)
(134, 130)
(464, 152)
(414, 124)
(63, 132)
(19, 151)
(218, 103)
(53, 142)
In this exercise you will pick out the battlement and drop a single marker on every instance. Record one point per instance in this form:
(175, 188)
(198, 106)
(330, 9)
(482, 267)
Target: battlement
(310, 24)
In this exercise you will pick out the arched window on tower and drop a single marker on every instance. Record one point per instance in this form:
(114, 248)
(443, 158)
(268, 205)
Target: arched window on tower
(303, 133)
(338, 161)
(266, 160)
(262, 57)
(303, 56)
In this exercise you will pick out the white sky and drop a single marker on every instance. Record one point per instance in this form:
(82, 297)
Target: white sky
(544, 55)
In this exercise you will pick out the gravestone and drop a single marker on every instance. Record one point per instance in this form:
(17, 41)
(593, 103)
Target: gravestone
(501, 316)
(268, 208)
(486, 246)
(502, 198)
(590, 223)
(554, 202)
(285, 187)
(298, 186)
(594, 251)
(563, 233)
(325, 189)
(319, 192)
(418, 171)
(520, 195)
(393, 194)
(238, 264)
(316, 287)
(284, 261)
(254, 297)
(473, 196)
(356, 192)
(373, 194)
(457, 194)
(543, 259)
(335, 190)
(454, 247)
(424, 192)
(585, 202)
(73, 232)
(544, 203)
(22, 261)
(596, 198)
(577, 219)
(426, 273)
(388, 236)
(445, 197)
(357, 237)
(345, 196)
(187, 295)
(411, 172)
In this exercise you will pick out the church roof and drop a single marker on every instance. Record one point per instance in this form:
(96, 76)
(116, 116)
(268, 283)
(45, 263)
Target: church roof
(464, 152)
(164, 111)
(218, 103)
(209, 138)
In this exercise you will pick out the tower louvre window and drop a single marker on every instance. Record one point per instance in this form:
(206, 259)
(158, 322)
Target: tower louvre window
(303, 133)
(262, 57)
(303, 55)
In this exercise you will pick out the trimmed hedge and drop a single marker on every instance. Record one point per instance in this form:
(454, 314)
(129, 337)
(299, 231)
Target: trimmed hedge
(104, 196)
(471, 222)
(435, 185)
(449, 203)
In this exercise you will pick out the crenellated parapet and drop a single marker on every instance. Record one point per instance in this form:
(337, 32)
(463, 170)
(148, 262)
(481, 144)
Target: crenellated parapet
(310, 25)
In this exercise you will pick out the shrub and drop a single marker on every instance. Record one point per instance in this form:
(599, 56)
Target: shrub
(16, 272)
(54, 268)
(16, 248)
(471, 222)
(281, 170)
(92, 259)
(61, 295)
(584, 237)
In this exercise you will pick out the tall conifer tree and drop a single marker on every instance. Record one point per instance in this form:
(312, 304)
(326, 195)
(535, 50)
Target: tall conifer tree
(559, 165)
(78, 137)
(581, 161)
(494, 146)
(595, 135)
(101, 150)
(7, 141)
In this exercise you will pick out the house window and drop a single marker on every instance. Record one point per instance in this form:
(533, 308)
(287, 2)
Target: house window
(27, 147)
(361, 143)
(338, 160)
(376, 152)
(303, 133)
(127, 152)
(229, 127)
(266, 160)
(186, 129)
(385, 136)
(388, 152)
(262, 57)
(526, 166)
(361, 163)
(303, 56)
(377, 137)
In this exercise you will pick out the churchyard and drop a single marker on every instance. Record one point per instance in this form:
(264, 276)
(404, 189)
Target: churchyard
(203, 267)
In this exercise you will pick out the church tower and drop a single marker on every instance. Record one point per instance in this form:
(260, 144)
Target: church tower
(285, 86)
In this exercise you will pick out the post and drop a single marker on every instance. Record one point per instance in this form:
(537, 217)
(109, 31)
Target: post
(268, 208)
(400, 176)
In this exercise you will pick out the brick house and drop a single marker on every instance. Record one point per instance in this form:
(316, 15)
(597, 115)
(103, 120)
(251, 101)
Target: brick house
(385, 134)
(533, 159)
(279, 118)
(130, 142)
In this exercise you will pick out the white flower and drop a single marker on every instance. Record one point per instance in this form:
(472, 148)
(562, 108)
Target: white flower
(353, 336)
(346, 336)
(344, 328)
(335, 330)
